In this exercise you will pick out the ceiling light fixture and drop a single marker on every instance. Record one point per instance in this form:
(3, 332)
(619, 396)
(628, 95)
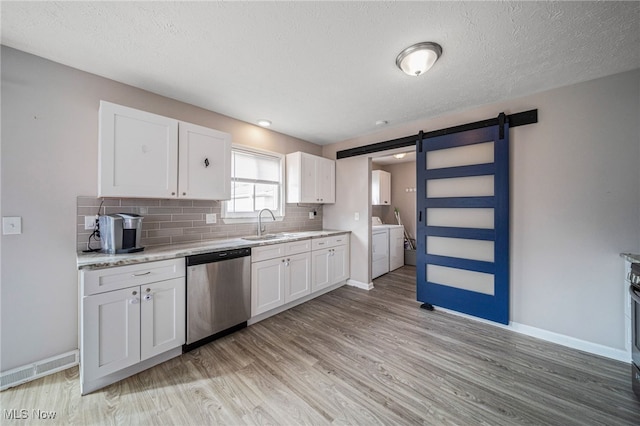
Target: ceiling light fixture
(264, 123)
(400, 156)
(417, 59)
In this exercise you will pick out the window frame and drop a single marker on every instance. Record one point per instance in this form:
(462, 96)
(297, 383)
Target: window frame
(231, 217)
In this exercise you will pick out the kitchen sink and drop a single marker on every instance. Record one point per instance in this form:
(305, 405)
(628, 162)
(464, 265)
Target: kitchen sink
(271, 236)
(262, 237)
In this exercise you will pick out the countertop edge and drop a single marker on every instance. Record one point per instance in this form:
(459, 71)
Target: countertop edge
(97, 260)
(630, 257)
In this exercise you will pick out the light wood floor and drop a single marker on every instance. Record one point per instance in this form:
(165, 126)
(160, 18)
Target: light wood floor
(354, 357)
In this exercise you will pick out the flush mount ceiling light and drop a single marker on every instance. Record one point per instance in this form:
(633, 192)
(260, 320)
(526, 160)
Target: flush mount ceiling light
(417, 59)
(264, 123)
(400, 156)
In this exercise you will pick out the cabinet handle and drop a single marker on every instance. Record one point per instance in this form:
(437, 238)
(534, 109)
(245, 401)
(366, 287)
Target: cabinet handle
(184, 193)
(206, 162)
(173, 193)
(148, 290)
(135, 300)
(133, 293)
(140, 275)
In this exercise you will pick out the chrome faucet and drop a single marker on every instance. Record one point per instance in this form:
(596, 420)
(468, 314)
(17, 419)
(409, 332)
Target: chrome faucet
(260, 230)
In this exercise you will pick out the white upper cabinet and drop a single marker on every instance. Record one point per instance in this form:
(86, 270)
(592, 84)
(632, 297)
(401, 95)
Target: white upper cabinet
(380, 188)
(145, 155)
(310, 179)
(204, 170)
(138, 153)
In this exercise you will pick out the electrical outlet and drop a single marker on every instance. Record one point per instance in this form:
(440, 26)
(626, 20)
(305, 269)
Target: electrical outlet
(356, 216)
(211, 218)
(90, 222)
(311, 214)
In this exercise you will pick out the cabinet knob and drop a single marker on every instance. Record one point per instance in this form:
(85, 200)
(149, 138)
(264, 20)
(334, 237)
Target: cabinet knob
(134, 292)
(184, 193)
(148, 290)
(173, 193)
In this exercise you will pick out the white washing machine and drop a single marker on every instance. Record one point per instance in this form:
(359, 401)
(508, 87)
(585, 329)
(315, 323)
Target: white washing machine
(387, 250)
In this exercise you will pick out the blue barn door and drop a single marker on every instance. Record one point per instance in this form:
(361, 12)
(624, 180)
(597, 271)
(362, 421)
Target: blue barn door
(463, 222)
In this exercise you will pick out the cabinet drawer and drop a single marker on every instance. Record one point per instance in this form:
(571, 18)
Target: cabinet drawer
(327, 242)
(273, 251)
(296, 247)
(102, 280)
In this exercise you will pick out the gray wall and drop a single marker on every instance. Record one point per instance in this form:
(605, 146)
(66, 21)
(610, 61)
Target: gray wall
(575, 203)
(49, 157)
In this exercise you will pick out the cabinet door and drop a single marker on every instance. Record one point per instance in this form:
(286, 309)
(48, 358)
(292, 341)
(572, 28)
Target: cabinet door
(205, 163)
(380, 188)
(321, 269)
(308, 179)
(340, 264)
(326, 180)
(110, 332)
(298, 278)
(267, 285)
(162, 317)
(138, 153)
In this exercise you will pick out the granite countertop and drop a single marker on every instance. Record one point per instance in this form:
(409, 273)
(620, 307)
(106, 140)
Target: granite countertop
(630, 257)
(99, 260)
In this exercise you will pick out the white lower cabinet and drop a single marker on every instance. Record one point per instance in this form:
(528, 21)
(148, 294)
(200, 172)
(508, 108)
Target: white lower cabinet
(123, 328)
(279, 280)
(294, 271)
(330, 261)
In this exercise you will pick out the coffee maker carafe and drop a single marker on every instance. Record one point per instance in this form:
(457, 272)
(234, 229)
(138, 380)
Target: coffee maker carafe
(120, 233)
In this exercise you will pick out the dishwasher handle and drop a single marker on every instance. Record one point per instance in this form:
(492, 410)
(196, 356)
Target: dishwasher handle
(217, 256)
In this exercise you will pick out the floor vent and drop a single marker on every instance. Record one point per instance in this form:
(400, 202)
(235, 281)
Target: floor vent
(38, 369)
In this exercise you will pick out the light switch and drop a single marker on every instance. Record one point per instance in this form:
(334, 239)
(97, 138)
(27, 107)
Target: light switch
(11, 225)
(356, 216)
(211, 218)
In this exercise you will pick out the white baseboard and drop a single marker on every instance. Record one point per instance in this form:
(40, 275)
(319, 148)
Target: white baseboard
(360, 284)
(550, 336)
(572, 342)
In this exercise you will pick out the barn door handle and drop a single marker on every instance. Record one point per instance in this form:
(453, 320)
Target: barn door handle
(420, 216)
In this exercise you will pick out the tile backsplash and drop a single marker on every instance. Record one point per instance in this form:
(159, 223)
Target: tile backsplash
(181, 221)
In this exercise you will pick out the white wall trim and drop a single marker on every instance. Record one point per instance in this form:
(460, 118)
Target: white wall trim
(360, 284)
(550, 336)
(571, 342)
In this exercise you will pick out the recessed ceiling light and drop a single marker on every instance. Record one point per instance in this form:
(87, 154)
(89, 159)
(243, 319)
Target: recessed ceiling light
(382, 123)
(400, 155)
(417, 59)
(264, 123)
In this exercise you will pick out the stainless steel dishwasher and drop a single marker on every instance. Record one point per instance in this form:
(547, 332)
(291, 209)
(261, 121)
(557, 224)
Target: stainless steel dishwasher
(218, 295)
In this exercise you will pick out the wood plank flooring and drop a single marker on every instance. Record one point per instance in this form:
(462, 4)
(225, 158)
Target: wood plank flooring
(354, 357)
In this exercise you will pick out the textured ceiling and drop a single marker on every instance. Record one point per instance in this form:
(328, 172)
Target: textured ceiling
(325, 71)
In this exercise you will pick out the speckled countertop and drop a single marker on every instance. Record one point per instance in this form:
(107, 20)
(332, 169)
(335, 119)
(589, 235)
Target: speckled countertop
(101, 260)
(630, 257)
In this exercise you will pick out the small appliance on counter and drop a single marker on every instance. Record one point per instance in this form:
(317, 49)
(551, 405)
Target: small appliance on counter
(120, 233)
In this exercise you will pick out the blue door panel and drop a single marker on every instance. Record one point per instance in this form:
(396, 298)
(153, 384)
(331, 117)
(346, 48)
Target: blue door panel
(492, 307)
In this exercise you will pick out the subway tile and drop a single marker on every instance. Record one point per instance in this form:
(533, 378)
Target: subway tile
(176, 203)
(139, 202)
(149, 225)
(190, 216)
(199, 230)
(215, 235)
(206, 203)
(191, 210)
(186, 238)
(153, 233)
(159, 241)
(156, 218)
(165, 210)
(185, 224)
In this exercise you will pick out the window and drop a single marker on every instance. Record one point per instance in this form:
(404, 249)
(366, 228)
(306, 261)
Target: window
(257, 179)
